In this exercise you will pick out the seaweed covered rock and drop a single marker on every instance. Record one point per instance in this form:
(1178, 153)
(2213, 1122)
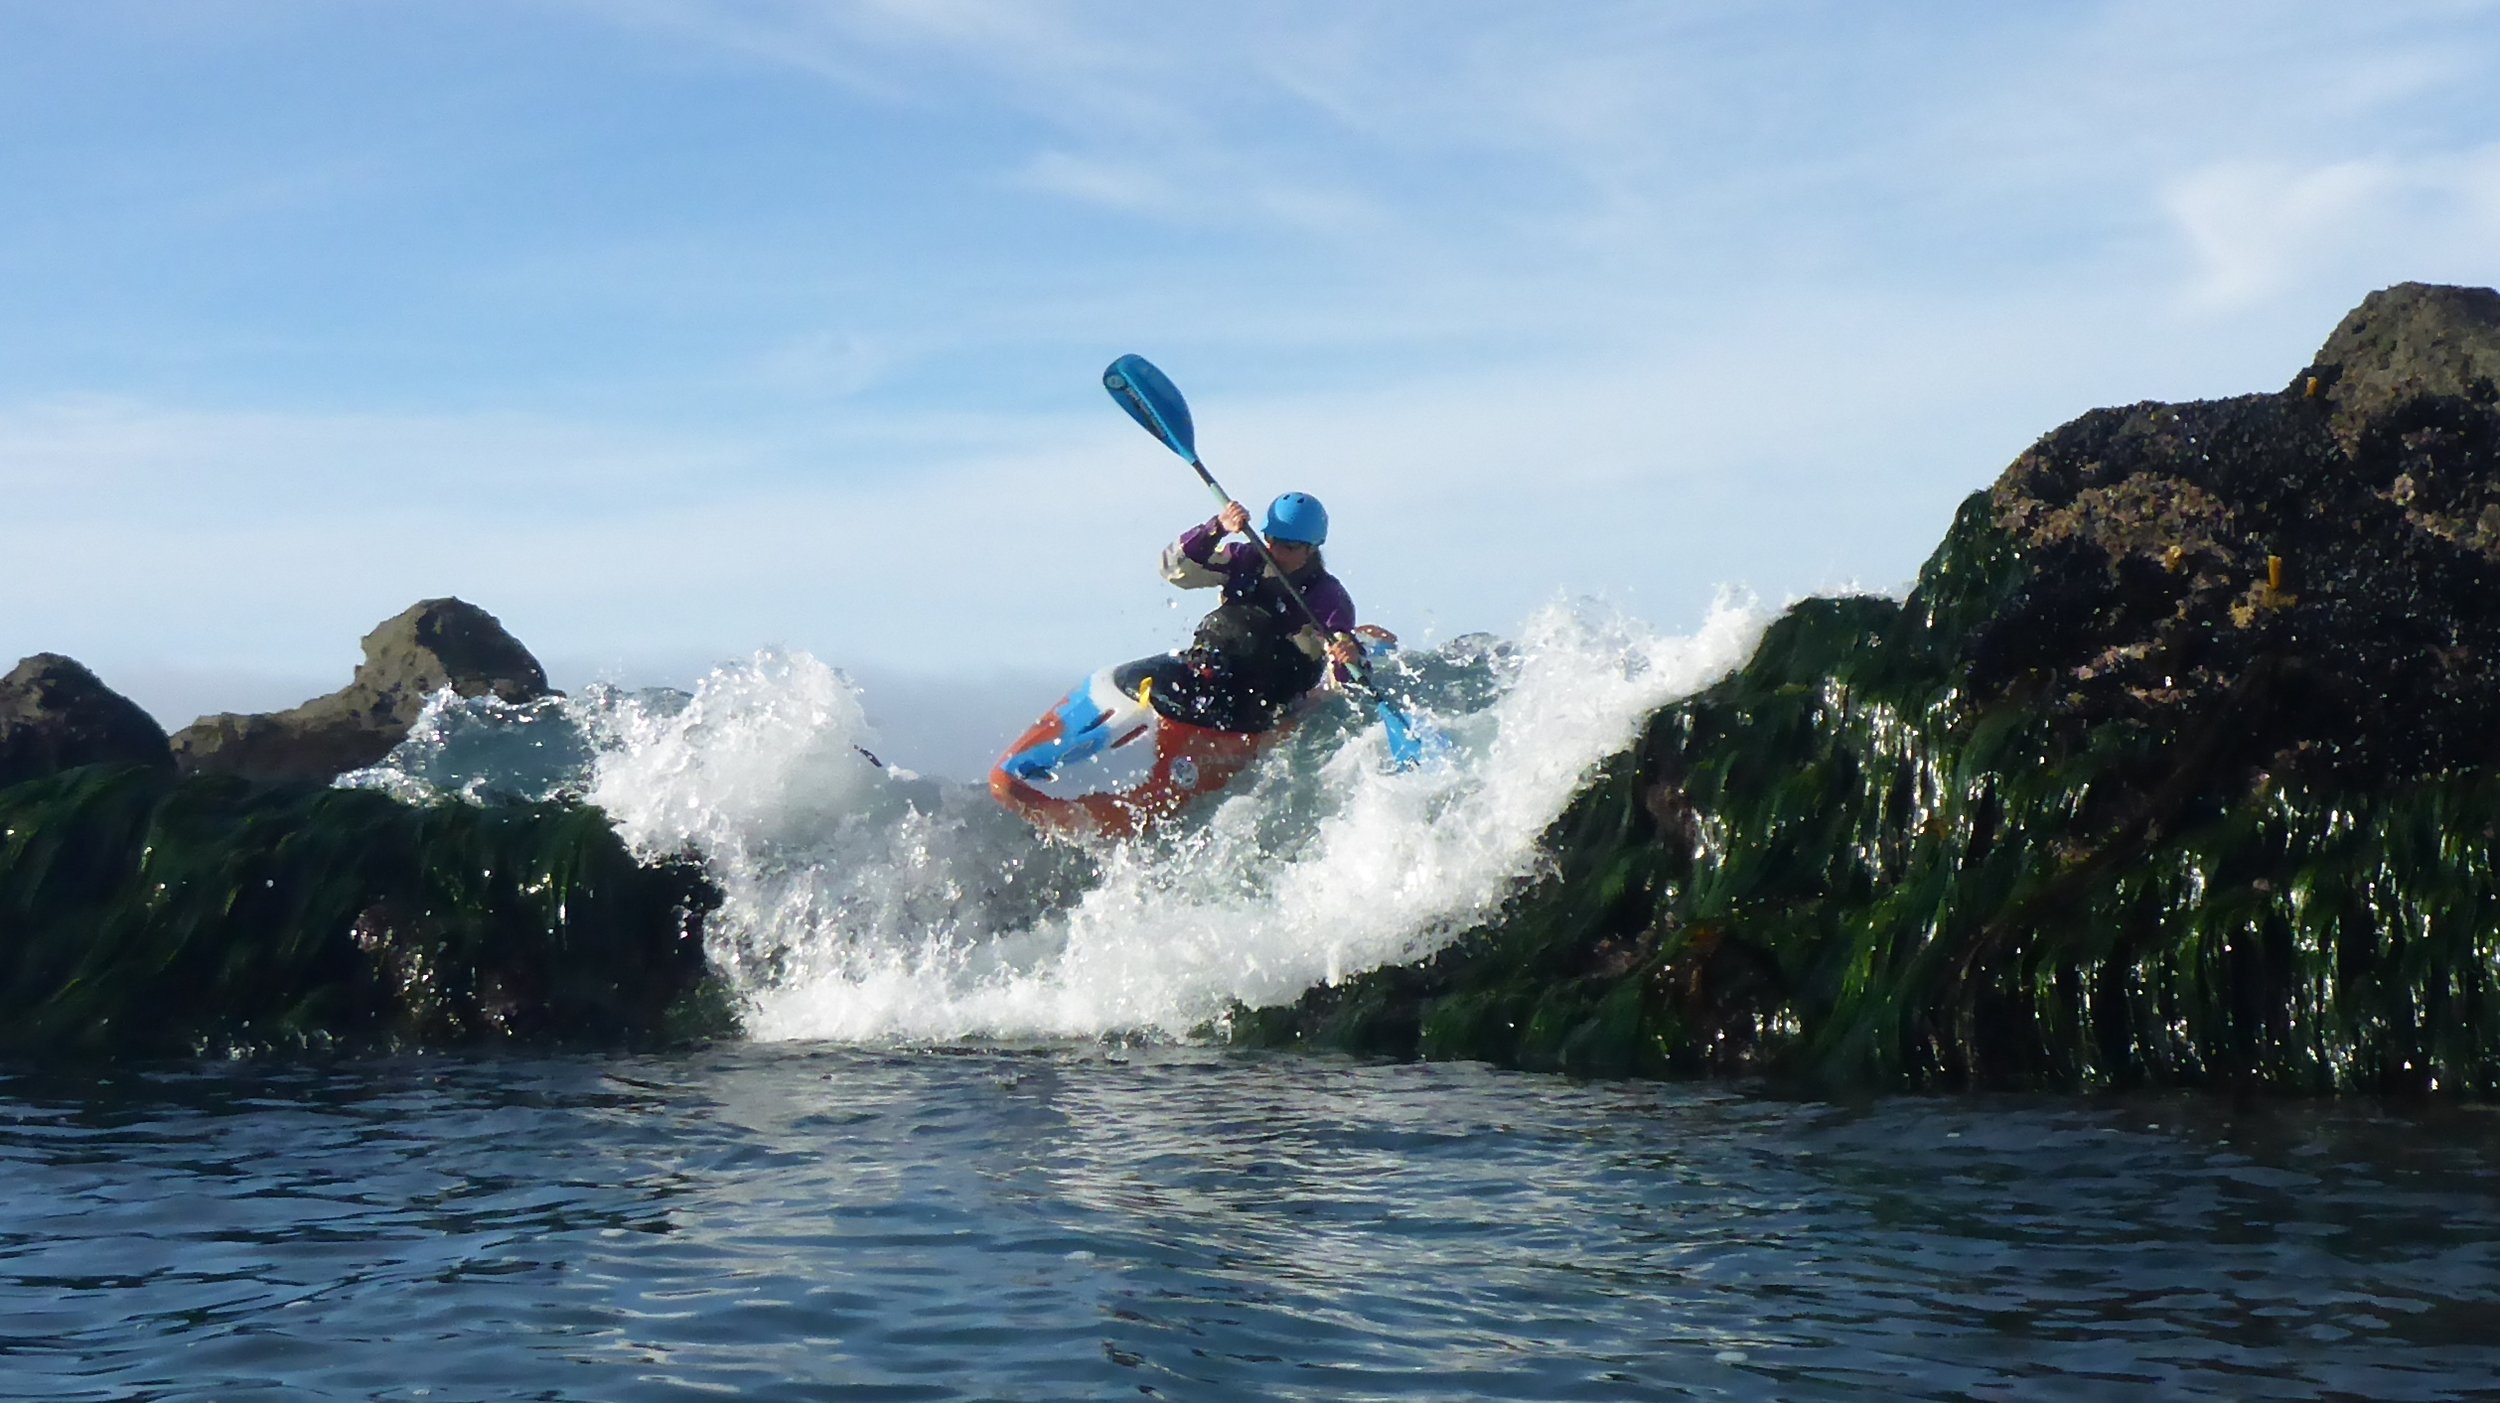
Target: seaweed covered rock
(2179, 765)
(54, 715)
(434, 644)
(145, 914)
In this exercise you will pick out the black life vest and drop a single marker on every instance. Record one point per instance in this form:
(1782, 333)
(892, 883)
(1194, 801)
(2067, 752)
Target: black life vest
(1249, 637)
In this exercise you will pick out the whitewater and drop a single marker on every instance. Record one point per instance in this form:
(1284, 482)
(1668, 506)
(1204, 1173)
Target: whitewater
(865, 904)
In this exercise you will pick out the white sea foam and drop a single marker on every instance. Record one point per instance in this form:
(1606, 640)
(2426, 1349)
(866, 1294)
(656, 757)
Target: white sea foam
(867, 905)
(861, 920)
(835, 869)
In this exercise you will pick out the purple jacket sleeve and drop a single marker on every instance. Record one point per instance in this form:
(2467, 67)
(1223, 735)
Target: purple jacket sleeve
(1334, 606)
(1198, 542)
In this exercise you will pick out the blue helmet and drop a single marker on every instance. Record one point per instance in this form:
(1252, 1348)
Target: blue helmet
(1296, 517)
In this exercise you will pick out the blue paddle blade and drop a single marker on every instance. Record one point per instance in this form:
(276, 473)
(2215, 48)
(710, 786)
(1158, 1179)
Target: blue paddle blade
(1410, 744)
(1153, 400)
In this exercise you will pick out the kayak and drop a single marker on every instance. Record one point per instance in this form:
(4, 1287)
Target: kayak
(1104, 762)
(1107, 761)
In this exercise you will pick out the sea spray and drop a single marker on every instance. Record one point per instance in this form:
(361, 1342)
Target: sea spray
(866, 904)
(1321, 864)
(836, 868)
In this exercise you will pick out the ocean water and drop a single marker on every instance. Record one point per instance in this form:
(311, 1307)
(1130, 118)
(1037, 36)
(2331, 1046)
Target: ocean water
(982, 1138)
(805, 1221)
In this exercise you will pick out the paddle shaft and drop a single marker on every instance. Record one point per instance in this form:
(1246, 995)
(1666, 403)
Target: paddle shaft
(1149, 397)
(1361, 670)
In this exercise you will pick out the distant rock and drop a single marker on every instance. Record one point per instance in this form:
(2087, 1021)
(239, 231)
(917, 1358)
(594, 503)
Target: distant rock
(54, 715)
(436, 643)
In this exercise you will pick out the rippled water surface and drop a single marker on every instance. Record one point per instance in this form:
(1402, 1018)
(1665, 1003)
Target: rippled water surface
(781, 1222)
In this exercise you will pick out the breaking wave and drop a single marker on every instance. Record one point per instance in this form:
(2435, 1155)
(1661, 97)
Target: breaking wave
(864, 903)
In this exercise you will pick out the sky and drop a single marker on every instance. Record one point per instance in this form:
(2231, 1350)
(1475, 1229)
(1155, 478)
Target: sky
(668, 330)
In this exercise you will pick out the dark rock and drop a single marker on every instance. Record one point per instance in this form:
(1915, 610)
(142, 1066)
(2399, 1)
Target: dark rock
(2406, 341)
(142, 914)
(2180, 765)
(2172, 547)
(435, 644)
(54, 714)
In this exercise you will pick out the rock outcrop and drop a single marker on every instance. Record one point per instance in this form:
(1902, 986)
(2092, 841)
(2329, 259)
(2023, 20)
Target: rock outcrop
(2179, 765)
(243, 906)
(144, 914)
(55, 715)
(2407, 342)
(2337, 544)
(434, 644)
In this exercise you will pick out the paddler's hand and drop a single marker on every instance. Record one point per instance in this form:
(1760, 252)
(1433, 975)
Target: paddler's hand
(1345, 650)
(1235, 518)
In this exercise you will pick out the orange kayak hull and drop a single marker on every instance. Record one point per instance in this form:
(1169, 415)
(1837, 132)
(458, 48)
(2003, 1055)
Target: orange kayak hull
(1103, 763)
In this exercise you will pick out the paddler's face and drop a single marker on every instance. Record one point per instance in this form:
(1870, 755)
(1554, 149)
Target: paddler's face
(1290, 555)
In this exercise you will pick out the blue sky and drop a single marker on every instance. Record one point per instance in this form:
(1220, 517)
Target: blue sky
(669, 329)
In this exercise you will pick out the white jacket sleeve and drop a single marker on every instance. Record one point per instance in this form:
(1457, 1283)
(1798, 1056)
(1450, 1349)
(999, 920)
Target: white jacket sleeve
(1180, 570)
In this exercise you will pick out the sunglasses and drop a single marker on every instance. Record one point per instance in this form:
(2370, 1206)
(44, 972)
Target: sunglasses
(1280, 543)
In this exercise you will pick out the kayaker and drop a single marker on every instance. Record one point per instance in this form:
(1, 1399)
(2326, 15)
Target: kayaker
(1256, 653)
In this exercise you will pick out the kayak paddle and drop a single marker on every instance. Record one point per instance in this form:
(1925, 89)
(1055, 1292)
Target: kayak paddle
(1154, 401)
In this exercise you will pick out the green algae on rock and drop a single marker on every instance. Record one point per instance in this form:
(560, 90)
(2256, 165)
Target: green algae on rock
(142, 914)
(2180, 765)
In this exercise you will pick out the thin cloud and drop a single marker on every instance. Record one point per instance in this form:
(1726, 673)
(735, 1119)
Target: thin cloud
(2257, 229)
(1110, 184)
(773, 35)
(117, 459)
(828, 364)
(883, 50)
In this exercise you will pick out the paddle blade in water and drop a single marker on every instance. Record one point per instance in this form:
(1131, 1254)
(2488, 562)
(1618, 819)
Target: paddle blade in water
(1153, 400)
(1410, 743)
